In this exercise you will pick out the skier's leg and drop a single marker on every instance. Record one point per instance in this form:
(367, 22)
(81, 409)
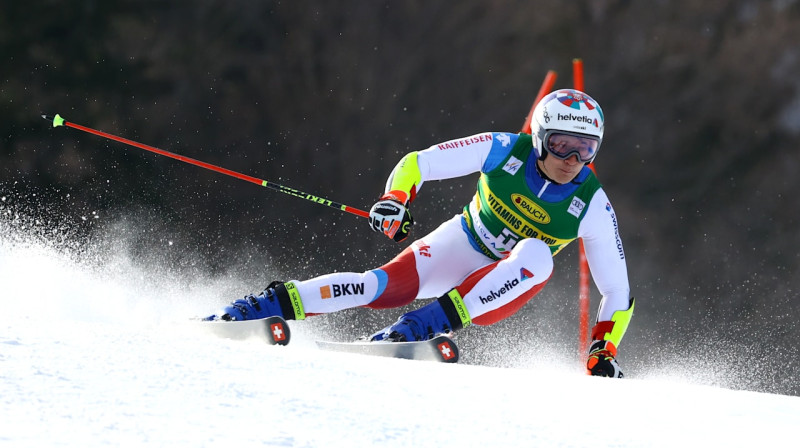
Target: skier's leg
(427, 268)
(486, 296)
(496, 292)
(441, 258)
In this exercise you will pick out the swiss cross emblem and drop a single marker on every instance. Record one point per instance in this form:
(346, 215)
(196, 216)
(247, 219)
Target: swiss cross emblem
(278, 334)
(446, 351)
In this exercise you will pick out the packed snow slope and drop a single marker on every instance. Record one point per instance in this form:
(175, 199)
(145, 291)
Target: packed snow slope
(101, 354)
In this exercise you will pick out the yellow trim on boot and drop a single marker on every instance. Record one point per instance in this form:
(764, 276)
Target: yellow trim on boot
(621, 320)
(461, 308)
(294, 298)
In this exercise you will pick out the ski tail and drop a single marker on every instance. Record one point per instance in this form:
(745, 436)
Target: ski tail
(441, 348)
(273, 330)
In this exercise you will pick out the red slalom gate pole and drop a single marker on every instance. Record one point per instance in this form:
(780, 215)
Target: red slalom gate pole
(547, 86)
(583, 264)
(58, 121)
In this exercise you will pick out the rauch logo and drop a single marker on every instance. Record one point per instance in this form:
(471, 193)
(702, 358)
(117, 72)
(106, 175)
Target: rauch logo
(530, 208)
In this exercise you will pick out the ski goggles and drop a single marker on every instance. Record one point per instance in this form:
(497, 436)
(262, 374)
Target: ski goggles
(563, 145)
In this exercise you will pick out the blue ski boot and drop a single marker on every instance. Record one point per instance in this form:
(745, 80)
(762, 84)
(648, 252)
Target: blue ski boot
(275, 300)
(421, 324)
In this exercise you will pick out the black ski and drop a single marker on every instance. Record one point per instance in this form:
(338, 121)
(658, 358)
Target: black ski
(273, 330)
(441, 348)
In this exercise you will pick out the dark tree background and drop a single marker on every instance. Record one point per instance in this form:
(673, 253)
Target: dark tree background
(702, 101)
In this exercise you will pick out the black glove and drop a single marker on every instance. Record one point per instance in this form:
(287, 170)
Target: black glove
(392, 218)
(602, 360)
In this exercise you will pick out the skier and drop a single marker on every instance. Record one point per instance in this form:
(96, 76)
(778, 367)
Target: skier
(535, 194)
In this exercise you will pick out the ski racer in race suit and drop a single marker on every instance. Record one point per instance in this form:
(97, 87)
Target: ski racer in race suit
(535, 194)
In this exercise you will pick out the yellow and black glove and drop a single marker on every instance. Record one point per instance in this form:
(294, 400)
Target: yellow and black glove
(602, 360)
(606, 336)
(391, 218)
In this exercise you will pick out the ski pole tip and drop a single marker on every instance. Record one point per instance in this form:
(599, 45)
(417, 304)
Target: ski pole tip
(58, 121)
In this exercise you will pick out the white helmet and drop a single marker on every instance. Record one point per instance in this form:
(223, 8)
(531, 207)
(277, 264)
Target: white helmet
(572, 113)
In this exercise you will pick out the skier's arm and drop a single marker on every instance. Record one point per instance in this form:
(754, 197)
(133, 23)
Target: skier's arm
(454, 158)
(599, 230)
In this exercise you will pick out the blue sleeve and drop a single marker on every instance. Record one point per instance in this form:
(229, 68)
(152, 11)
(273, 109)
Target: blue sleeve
(502, 142)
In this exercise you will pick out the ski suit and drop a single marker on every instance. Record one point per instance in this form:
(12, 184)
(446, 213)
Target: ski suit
(498, 253)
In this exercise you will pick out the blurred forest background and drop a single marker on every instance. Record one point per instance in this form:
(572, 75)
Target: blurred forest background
(702, 100)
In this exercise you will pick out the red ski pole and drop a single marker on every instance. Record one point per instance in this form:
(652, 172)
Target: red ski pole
(58, 121)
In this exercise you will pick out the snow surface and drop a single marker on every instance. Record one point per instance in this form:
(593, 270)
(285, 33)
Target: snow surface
(102, 354)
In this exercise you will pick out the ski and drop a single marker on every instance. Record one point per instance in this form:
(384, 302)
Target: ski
(273, 330)
(441, 348)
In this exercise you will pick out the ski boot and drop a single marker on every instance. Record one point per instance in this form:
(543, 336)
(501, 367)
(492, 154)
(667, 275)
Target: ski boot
(275, 300)
(418, 325)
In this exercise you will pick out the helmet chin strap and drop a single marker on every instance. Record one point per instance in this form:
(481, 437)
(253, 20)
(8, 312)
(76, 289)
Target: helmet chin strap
(541, 171)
